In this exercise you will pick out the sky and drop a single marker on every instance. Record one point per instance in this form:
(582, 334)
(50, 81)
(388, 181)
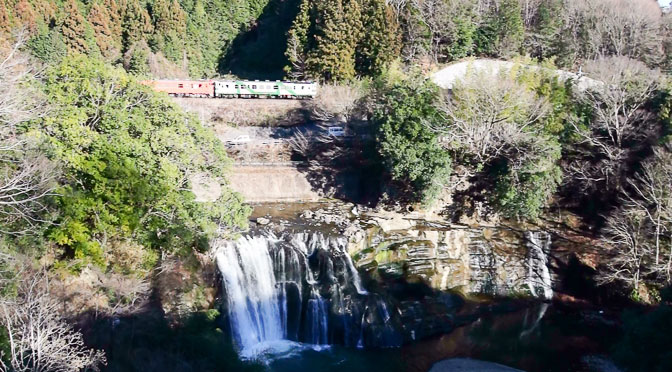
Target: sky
(664, 2)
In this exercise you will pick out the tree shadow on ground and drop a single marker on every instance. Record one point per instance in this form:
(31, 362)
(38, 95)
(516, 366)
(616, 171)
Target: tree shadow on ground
(149, 342)
(346, 168)
(259, 53)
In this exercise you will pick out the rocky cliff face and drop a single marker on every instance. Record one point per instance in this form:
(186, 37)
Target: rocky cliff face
(494, 261)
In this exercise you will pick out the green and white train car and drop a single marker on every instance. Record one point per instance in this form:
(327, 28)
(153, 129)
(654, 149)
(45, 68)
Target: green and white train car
(272, 89)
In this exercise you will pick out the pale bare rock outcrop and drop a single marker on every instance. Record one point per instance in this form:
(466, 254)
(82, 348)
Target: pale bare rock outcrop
(451, 74)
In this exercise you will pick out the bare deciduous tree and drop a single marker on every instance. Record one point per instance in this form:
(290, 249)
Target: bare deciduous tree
(625, 234)
(25, 174)
(640, 233)
(336, 102)
(653, 196)
(39, 339)
(619, 116)
(297, 58)
(434, 16)
(489, 113)
(615, 27)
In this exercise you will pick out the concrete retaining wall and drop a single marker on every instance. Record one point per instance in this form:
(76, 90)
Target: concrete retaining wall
(271, 184)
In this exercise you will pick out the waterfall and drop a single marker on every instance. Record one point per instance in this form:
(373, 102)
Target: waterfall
(290, 288)
(538, 275)
(247, 272)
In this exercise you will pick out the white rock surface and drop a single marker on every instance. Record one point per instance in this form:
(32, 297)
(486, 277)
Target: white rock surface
(449, 75)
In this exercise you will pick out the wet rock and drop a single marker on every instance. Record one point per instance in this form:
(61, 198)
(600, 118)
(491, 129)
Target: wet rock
(308, 214)
(263, 221)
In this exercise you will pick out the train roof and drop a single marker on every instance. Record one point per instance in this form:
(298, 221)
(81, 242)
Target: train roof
(262, 81)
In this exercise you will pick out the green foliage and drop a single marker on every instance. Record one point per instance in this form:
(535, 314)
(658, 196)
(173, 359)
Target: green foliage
(336, 35)
(5, 348)
(542, 40)
(336, 40)
(193, 34)
(502, 32)
(524, 190)
(127, 155)
(463, 38)
(380, 43)
(297, 41)
(48, 45)
(410, 149)
(665, 112)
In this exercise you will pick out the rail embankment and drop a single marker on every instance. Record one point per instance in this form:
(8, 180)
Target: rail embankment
(272, 182)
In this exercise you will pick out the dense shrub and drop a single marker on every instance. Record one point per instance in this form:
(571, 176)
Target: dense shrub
(127, 156)
(409, 148)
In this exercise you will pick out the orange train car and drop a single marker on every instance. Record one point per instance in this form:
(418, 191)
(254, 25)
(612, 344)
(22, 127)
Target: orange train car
(184, 88)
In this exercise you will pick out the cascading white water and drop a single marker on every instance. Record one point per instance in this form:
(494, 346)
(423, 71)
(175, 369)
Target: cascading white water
(273, 287)
(247, 271)
(538, 275)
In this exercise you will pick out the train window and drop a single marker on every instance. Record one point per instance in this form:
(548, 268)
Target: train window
(237, 86)
(200, 85)
(180, 85)
(254, 87)
(275, 87)
(302, 87)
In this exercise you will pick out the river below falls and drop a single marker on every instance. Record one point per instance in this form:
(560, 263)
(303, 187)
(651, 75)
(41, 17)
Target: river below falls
(541, 337)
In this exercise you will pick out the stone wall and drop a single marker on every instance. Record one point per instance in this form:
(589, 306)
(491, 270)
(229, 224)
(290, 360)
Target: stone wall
(271, 184)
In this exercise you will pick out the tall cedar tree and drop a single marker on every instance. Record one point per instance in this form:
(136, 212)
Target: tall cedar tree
(100, 19)
(328, 41)
(338, 27)
(114, 9)
(73, 28)
(4, 18)
(380, 44)
(26, 15)
(502, 32)
(297, 42)
(168, 16)
(136, 23)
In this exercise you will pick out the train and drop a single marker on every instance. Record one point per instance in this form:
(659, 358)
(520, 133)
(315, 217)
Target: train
(235, 88)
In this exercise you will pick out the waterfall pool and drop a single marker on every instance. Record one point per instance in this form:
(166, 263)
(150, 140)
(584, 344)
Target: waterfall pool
(539, 338)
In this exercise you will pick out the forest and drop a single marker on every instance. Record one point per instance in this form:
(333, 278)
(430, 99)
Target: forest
(96, 169)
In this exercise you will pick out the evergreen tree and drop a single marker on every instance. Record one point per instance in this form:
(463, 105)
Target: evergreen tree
(99, 17)
(502, 32)
(297, 42)
(380, 44)
(168, 16)
(511, 30)
(25, 14)
(542, 42)
(337, 30)
(136, 23)
(4, 18)
(74, 28)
